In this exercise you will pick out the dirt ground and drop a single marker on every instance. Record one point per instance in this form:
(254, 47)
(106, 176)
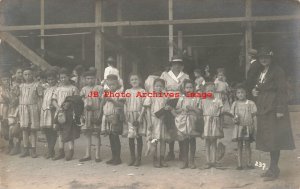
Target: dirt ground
(17, 173)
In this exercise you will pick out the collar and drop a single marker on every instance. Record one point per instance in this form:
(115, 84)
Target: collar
(174, 77)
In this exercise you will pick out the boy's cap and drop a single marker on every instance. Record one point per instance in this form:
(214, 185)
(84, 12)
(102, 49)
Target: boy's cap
(265, 51)
(176, 59)
(110, 59)
(252, 52)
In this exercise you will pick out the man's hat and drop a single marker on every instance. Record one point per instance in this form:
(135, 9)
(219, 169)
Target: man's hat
(265, 51)
(252, 52)
(110, 59)
(176, 59)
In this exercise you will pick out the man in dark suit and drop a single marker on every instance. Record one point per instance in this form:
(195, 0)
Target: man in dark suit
(252, 73)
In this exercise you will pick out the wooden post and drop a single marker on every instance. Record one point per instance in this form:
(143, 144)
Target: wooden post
(42, 32)
(171, 29)
(99, 47)
(248, 35)
(120, 32)
(83, 47)
(180, 43)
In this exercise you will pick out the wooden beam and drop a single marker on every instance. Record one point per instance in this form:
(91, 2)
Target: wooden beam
(180, 43)
(153, 22)
(248, 35)
(120, 33)
(24, 50)
(99, 47)
(42, 17)
(171, 30)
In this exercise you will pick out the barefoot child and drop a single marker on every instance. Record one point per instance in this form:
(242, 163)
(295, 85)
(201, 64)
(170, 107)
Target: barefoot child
(47, 114)
(134, 118)
(244, 112)
(213, 130)
(29, 111)
(187, 111)
(112, 123)
(91, 114)
(157, 131)
(62, 92)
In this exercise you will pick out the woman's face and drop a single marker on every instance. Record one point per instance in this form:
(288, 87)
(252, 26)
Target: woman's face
(113, 85)
(177, 67)
(51, 80)
(265, 60)
(90, 80)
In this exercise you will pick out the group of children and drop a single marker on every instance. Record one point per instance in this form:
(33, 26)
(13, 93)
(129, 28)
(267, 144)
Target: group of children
(66, 110)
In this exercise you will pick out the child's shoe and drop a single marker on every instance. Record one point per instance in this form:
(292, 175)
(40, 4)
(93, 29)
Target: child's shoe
(184, 165)
(70, 155)
(85, 159)
(192, 163)
(117, 161)
(137, 162)
(207, 166)
(162, 162)
(25, 152)
(33, 153)
(60, 155)
(132, 161)
(16, 150)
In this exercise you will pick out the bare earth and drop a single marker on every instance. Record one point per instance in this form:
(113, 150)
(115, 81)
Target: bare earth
(40, 173)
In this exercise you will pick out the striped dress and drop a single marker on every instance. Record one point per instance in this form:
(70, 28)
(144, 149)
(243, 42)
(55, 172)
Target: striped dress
(133, 108)
(47, 114)
(90, 116)
(63, 91)
(211, 115)
(28, 105)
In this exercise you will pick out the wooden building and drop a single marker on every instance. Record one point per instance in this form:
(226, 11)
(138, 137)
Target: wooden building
(144, 34)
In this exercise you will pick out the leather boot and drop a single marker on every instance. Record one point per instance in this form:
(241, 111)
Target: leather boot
(60, 154)
(70, 155)
(16, 150)
(25, 152)
(33, 153)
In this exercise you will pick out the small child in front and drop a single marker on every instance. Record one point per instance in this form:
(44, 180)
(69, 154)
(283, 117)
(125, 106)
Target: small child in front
(213, 129)
(92, 114)
(29, 111)
(244, 113)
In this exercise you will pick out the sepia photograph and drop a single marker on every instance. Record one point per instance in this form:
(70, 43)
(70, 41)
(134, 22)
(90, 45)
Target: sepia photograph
(149, 94)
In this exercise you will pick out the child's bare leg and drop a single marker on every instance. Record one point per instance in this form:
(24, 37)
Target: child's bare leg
(98, 146)
(192, 142)
(214, 151)
(248, 154)
(71, 150)
(155, 155)
(33, 143)
(87, 156)
(207, 148)
(240, 154)
(162, 153)
(61, 151)
(25, 133)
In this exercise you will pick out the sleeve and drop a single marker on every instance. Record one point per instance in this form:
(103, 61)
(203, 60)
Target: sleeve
(281, 95)
(82, 92)
(232, 109)
(200, 104)
(75, 91)
(179, 103)
(106, 72)
(55, 94)
(147, 101)
(253, 108)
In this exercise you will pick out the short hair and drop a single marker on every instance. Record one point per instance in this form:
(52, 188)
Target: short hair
(112, 77)
(89, 73)
(186, 81)
(199, 71)
(159, 80)
(240, 86)
(79, 69)
(64, 71)
(137, 74)
(51, 73)
(27, 69)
